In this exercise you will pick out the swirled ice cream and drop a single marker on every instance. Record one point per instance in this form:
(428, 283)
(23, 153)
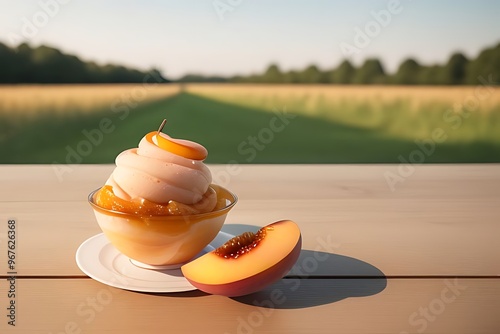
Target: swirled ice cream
(163, 176)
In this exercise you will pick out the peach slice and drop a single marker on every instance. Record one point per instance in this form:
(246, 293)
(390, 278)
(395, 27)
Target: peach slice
(185, 148)
(247, 263)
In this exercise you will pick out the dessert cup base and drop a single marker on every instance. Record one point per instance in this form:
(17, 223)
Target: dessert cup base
(152, 267)
(136, 263)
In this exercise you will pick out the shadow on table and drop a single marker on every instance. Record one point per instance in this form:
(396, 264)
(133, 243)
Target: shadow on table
(318, 278)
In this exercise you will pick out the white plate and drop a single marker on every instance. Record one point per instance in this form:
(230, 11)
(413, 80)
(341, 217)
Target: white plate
(100, 260)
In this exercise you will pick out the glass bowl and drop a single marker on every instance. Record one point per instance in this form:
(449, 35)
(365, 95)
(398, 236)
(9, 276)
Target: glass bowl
(166, 241)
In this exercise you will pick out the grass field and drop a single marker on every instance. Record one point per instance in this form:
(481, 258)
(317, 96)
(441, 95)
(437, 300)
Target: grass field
(248, 124)
(403, 112)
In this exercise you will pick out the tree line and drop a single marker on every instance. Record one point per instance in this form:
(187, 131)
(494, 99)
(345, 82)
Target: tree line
(47, 65)
(43, 64)
(458, 70)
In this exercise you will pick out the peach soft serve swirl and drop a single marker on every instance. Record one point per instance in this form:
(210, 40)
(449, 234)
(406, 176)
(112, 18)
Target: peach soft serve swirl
(163, 176)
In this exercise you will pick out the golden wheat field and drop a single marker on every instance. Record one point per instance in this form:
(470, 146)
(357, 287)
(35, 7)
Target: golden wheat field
(409, 112)
(30, 99)
(333, 124)
(486, 97)
(57, 98)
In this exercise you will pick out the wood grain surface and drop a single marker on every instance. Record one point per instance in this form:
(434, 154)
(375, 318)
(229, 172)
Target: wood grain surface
(315, 306)
(386, 255)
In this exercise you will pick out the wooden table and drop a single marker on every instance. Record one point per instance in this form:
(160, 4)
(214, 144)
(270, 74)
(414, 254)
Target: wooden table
(423, 257)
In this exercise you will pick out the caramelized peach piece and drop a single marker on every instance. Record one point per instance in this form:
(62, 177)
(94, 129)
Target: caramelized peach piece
(142, 207)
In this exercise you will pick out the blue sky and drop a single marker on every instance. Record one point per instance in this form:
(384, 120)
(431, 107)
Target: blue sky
(191, 36)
